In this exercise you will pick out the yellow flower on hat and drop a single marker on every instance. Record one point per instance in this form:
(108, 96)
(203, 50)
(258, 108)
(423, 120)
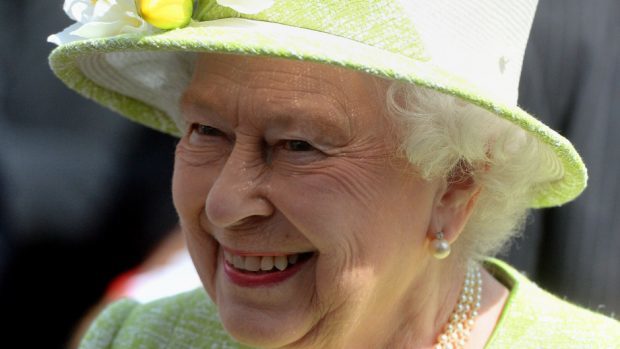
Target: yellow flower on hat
(166, 14)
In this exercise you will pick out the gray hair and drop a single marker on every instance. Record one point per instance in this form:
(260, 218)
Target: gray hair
(443, 134)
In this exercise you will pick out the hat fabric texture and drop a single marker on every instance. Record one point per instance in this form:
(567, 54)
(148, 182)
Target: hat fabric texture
(469, 49)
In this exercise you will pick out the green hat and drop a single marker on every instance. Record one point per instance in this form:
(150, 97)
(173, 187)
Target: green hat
(118, 54)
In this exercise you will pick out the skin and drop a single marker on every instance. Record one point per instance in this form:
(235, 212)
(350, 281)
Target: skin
(301, 157)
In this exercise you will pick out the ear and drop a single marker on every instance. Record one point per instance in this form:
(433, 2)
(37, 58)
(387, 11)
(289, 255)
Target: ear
(455, 204)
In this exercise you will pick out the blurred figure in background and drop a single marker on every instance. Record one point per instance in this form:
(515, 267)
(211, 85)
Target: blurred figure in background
(82, 201)
(571, 79)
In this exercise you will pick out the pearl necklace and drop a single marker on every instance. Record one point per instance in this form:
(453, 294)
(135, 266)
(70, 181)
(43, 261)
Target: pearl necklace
(457, 330)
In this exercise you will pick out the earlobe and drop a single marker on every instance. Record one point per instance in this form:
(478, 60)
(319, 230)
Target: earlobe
(454, 207)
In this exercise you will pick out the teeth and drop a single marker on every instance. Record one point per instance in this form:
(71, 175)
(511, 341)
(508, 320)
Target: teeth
(228, 257)
(238, 262)
(258, 263)
(252, 263)
(280, 262)
(266, 263)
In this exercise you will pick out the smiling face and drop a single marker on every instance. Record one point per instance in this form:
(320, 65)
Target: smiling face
(305, 224)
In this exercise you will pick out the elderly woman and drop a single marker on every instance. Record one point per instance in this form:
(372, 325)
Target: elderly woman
(344, 170)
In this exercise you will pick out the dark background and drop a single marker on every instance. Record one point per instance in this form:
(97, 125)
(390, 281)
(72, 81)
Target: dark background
(85, 194)
(571, 80)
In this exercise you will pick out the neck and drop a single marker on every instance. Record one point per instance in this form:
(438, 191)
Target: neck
(417, 320)
(430, 299)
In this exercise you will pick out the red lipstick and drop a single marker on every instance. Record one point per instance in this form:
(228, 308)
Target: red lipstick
(260, 279)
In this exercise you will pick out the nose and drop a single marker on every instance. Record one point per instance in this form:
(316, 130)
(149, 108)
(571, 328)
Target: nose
(237, 195)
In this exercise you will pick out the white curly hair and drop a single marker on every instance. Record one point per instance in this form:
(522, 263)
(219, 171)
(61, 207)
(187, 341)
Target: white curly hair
(445, 135)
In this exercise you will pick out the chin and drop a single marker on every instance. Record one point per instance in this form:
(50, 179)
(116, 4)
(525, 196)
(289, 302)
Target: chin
(263, 329)
(265, 317)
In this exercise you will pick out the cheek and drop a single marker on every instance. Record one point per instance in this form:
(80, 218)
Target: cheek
(354, 216)
(316, 207)
(190, 186)
(352, 210)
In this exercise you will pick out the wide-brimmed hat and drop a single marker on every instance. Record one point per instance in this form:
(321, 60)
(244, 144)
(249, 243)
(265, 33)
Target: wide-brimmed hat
(117, 55)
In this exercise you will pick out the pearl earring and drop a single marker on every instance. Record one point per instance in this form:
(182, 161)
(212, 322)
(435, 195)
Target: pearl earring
(440, 246)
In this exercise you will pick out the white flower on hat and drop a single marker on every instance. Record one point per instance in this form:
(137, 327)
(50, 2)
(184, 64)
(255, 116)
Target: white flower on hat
(249, 7)
(99, 19)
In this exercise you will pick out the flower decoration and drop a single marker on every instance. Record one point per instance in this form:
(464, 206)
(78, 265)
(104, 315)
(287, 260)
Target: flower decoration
(166, 14)
(100, 18)
(250, 7)
(106, 18)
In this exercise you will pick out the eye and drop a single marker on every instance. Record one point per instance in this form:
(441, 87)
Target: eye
(203, 135)
(205, 130)
(296, 145)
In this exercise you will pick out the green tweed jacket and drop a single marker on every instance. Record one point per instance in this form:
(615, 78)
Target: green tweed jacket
(532, 318)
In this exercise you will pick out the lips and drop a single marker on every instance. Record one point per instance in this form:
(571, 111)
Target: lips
(264, 263)
(252, 270)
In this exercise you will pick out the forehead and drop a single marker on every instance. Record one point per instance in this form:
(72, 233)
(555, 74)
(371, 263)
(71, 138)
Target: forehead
(276, 71)
(225, 83)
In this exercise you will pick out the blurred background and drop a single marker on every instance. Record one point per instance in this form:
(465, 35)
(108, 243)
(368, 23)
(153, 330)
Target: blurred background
(85, 194)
